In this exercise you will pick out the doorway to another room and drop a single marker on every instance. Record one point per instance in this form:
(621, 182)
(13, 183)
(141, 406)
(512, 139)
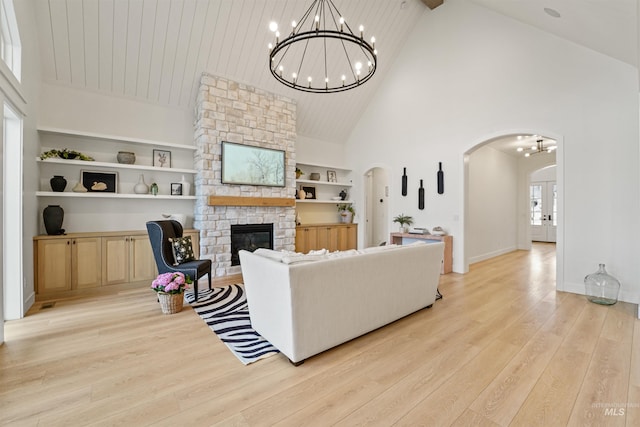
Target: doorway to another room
(376, 215)
(543, 201)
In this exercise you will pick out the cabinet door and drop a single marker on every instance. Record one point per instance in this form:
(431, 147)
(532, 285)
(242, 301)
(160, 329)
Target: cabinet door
(86, 259)
(348, 238)
(306, 238)
(143, 265)
(54, 265)
(327, 238)
(115, 260)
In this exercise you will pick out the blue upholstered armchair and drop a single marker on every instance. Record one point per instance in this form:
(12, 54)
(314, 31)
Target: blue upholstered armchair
(159, 234)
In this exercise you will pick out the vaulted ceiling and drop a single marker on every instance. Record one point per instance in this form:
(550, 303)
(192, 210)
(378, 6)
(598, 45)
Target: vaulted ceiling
(156, 50)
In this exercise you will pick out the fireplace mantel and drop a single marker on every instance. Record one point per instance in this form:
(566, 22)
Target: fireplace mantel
(251, 201)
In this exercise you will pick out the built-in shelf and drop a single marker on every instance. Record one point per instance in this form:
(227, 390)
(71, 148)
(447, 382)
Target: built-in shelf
(335, 202)
(109, 165)
(93, 135)
(97, 195)
(313, 182)
(322, 166)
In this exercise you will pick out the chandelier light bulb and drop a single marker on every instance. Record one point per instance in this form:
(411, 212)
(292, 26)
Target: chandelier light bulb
(317, 19)
(270, 47)
(527, 154)
(295, 77)
(373, 41)
(358, 66)
(277, 36)
(520, 149)
(273, 26)
(293, 24)
(361, 31)
(341, 24)
(309, 80)
(534, 147)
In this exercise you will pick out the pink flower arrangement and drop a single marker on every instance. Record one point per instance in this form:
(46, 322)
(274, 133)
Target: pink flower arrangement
(171, 283)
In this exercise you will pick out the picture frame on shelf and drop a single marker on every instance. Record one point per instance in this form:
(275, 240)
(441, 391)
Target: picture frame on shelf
(161, 158)
(310, 192)
(332, 176)
(99, 182)
(176, 189)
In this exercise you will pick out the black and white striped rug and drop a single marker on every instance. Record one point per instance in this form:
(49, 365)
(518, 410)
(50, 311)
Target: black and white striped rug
(226, 312)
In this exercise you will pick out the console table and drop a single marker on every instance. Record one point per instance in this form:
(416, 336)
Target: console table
(447, 263)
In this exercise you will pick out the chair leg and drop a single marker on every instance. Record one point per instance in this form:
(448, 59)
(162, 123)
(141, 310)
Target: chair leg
(209, 276)
(195, 289)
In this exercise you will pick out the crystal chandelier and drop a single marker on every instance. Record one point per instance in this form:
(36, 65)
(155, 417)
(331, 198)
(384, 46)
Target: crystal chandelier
(322, 54)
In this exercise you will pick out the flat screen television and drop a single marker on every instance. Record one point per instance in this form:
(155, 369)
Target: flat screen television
(250, 165)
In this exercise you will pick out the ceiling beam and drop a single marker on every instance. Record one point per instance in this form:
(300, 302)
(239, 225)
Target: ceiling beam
(432, 4)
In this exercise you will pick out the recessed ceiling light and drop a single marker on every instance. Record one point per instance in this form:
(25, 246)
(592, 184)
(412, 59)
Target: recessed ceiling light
(552, 12)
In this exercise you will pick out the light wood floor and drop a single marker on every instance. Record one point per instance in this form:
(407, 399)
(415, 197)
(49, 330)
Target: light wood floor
(502, 348)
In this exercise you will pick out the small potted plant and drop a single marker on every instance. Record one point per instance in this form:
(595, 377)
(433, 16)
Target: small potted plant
(346, 212)
(404, 221)
(170, 287)
(299, 173)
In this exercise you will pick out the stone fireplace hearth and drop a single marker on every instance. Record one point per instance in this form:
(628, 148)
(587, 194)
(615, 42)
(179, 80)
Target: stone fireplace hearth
(230, 111)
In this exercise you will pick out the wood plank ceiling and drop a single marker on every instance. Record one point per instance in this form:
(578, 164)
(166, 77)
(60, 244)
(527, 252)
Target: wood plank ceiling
(156, 50)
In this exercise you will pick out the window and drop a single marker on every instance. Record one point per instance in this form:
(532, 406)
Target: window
(10, 46)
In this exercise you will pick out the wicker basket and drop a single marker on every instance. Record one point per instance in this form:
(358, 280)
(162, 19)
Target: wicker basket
(170, 303)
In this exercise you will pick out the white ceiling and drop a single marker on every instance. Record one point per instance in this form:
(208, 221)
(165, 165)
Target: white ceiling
(155, 50)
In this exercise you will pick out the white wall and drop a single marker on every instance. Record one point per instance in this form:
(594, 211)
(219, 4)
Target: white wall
(492, 200)
(25, 100)
(466, 75)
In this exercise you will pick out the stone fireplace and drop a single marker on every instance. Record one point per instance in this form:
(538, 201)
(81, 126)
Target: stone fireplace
(230, 111)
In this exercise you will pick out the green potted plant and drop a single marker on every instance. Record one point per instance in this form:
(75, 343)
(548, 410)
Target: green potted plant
(404, 221)
(346, 212)
(299, 173)
(65, 154)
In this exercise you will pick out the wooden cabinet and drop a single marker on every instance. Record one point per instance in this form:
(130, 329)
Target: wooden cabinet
(333, 237)
(127, 259)
(65, 264)
(89, 260)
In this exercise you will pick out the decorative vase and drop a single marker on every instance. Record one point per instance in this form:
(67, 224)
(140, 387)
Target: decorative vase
(170, 303)
(186, 186)
(53, 215)
(141, 187)
(601, 287)
(126, 157)
(154, 189)
(58, 183)
(79, 188)
(301, 194)
(343, 195)
(315, 176)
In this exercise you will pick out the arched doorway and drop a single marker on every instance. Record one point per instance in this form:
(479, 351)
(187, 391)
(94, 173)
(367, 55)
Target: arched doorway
(497, 195)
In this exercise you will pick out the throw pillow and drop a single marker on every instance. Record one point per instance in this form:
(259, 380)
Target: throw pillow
(182, 249)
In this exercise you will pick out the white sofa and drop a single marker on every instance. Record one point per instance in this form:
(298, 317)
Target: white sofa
(304, 305)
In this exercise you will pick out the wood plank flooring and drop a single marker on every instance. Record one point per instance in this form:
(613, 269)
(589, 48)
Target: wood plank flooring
(502, 348)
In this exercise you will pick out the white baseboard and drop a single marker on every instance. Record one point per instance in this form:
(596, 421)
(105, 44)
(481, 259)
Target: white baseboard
(489, 255)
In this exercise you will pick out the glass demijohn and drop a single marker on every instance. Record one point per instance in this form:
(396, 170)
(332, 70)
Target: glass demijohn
(601, 287)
